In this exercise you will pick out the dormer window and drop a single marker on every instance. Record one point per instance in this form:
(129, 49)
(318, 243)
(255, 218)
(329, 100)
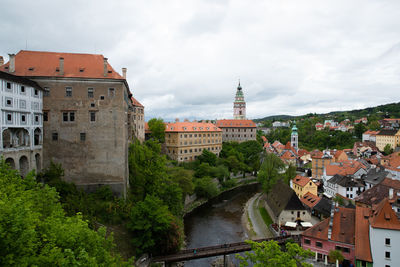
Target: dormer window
(81, 69)
(31, 68)
(184, 128)
(57, 69)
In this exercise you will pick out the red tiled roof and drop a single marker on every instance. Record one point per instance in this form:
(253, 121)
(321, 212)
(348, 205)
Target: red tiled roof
(191, 127)
(236, 123)
(45, 64)
(301, 180)
(362, 245)
(371, 132)
(288, 155)
(302, 152)
(310, 199)
(264, 139)
(383, 216)
(347, 167)
(343, 229)
(136, 103)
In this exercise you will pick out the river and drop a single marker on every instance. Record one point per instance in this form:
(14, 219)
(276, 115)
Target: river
(218, 222)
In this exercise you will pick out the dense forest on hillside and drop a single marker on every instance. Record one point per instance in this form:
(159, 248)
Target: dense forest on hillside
(391, 110)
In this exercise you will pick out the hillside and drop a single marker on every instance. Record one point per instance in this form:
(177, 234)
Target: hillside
(391, 110)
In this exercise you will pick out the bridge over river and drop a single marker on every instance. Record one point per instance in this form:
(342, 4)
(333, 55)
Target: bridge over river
(218, 250)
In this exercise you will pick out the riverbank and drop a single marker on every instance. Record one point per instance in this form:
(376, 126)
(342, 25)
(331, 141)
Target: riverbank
(252, 220)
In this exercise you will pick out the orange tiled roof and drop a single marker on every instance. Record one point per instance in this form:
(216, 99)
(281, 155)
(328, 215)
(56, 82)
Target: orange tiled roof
(37, 63)
(302, 152)
(342, 228)
(236, 123)
(310, 199)
(278, 145)
(347, 167)
(371, 132)
(191, 127)
(136, 103)
(362, 245)
(264, 139)
(383, 216)
(301, 180)
(287, 155)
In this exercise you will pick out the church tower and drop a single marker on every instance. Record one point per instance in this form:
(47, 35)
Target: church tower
(239, 106)
(294, 140)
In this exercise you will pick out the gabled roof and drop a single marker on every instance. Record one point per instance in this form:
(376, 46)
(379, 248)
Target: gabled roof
(310, 200)
(324, 206)
(383, 216)
(378, 192)
(343, 227)
(45, 64)
(136, 103)
(288, 155)
(282, 197)
(191, 127)
(302, 152)
(236, 123)
(362, 243)
(347, 167)
(375, 176)
(345, 181)
(301, 180)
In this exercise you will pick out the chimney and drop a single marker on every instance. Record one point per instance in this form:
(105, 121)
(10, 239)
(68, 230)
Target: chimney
(62, 66)
(390, 193)
(124, 73)
(1, 60)
(11, 68)
(105, 66)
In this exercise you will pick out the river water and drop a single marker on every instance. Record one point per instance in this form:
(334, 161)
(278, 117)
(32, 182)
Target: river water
(218, 222)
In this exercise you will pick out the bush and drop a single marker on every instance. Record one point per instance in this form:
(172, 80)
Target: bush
(205, 187)
(228, 184)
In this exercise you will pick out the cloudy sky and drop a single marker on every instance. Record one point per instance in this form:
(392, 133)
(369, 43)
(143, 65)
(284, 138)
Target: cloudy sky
(185, 57)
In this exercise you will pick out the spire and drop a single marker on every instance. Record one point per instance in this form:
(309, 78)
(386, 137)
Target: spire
(239, 87)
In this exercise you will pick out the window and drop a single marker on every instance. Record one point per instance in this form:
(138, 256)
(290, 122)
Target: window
(22, 89)
(23, 118)
(54, 136)
(387, 254)
(36, 119)
(46, 91)
(9, 117)
(92, 115)
(111, 92)
(68, 116)
(90, 92)
(93, 105)
(36, 92)
(8, 85)
(83, 136)
(307, 241)
(68, 91)
(102, 97)
(387, 241)
(45, 116)
(8, 102)
(318, 244)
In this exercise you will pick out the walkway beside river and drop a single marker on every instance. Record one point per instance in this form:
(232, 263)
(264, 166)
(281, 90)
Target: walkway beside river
(253, 221)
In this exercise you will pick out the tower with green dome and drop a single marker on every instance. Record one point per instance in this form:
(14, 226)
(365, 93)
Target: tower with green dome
(239, 106)
(294, 140)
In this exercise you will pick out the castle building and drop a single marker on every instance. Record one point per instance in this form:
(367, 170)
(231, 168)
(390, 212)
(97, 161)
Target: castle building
(21, 123)
(185, 141)
(237, 130)
(86, 115)
(239, 106)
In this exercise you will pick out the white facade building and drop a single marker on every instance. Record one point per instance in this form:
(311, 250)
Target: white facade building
(21, 122)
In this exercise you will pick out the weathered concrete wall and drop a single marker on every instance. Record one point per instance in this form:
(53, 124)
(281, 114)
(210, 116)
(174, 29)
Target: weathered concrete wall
(34, 159)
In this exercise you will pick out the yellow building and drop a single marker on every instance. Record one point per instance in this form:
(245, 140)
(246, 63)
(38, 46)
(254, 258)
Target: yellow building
(301, 185)
(384, 137)
(319, 161)
(185, 141)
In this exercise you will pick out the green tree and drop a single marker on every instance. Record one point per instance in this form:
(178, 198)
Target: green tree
(269, 254)
(157, 128)
(184, 178)
(290, 173)
(34, 230)
(146, 169)
(270, 171)
(205, 187)
(359, 129)
(374, 125)
(336, 255)
(208, 157)
(154, 228)
(388, 149)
